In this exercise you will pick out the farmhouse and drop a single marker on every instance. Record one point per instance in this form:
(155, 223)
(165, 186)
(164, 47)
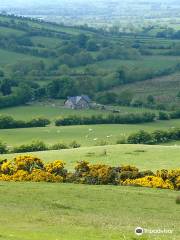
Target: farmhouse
(78, 102)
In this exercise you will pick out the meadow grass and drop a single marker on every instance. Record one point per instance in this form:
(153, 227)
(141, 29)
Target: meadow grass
(46, 41)
(142, 156)
(150, 62)
(165, 88)
(5, 31)
(38, 211)
(86, 135)
(9, 57)
(55, 109)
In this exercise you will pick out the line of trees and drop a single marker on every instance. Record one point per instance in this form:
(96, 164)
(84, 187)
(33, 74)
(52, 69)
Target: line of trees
(8, 122)
(156, 137)
(131, 118)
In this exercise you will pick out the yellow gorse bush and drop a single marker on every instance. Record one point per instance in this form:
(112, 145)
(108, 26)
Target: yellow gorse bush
(55, 167)
(31, 168)
(150, 181)
(28, 163)
(7, 167)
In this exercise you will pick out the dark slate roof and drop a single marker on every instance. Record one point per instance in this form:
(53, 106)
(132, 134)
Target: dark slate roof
(76, 99)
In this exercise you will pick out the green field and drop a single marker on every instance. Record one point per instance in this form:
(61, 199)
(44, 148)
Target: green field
(8, 57)
(38, 211)
(87, 135)
(150, 62)
(55, 109)
(9, 31)
(143, 156)
(165, 89)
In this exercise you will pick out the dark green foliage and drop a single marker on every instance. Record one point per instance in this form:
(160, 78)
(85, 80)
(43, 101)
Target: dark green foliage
(140, 137)
(164, 116)
(156, 137)
(8, 122)
(59, 146)
(74, 144)
(33, 147)
(3, 148)
(111, 119)
(5, 87)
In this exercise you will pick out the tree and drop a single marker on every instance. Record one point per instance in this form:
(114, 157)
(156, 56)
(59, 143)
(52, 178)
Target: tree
(5, 87)
(125, 97)
(150, 99)
(82, 40)
(107, 98)
(1, 73)
(92, 46)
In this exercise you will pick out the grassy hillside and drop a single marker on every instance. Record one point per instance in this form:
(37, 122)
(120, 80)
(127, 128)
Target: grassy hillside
(9, 57)
(41, 64)
(165, 89)
(143, 156)
(58, 211)
(57, 53)
(55, 109)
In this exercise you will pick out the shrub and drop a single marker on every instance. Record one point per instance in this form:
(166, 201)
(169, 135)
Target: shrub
(159, 136)
(129, 168)
(28, 163)
(38, 122)
(30, 168)
(128, 175)
(140, 137)
(20, 176)
(110, 119)
(56, 168)
(155, 137)
(150, 181)
(99, 174)
(7, 168)
(74, 144)
(164, 116)
(146, 173)
(3, 148)
(59, 146)
(39, 175)
(7, 122)
(35, 146)
(171, 175)
(81, 168)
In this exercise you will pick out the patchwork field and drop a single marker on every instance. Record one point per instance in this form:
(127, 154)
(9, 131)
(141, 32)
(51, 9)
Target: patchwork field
(55, 62)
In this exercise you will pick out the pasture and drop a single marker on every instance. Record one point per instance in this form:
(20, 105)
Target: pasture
(165, 89)
(142, 156)
(9, 57)
(38, 211)
(86, 135)
(55, 109)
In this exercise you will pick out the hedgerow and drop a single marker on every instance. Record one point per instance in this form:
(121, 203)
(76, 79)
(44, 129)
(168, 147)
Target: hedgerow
(36, 146)
(129, 118)
(156, 137)
(30, 168)
(7, 122)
